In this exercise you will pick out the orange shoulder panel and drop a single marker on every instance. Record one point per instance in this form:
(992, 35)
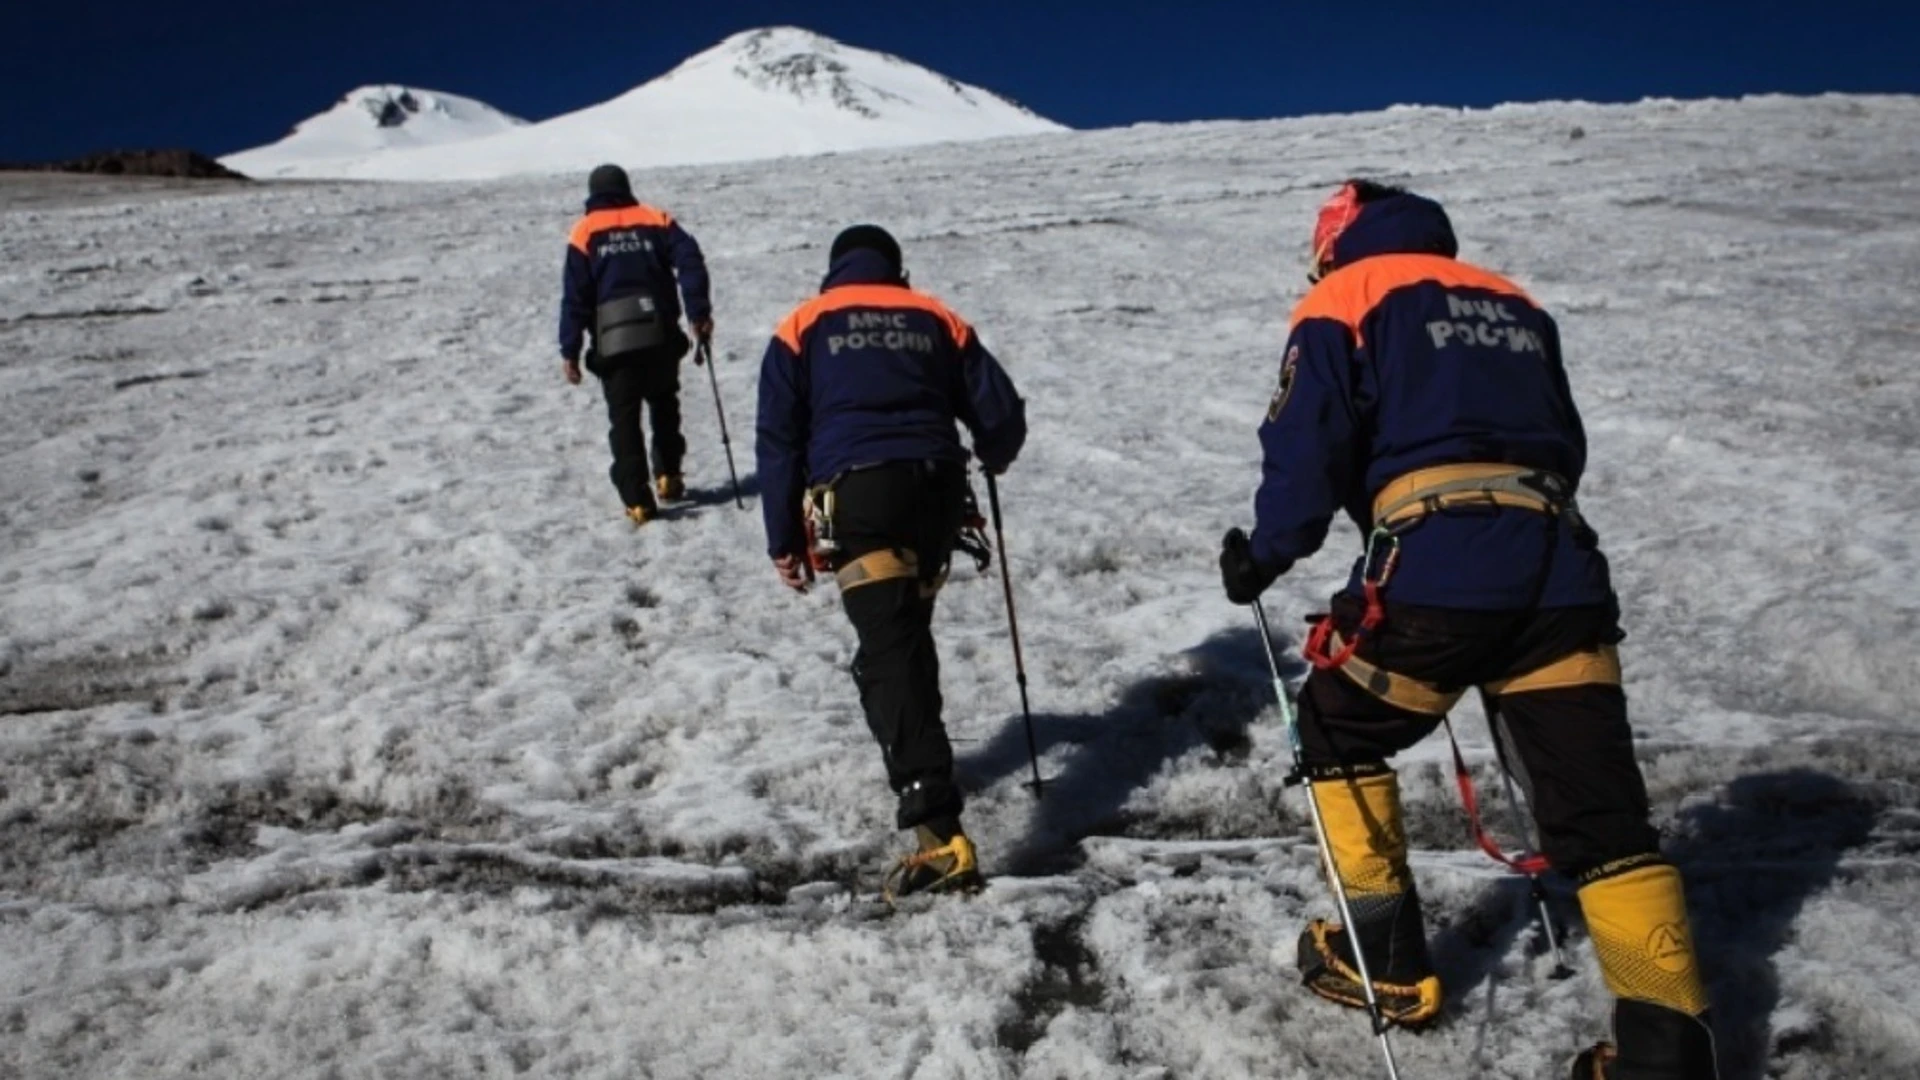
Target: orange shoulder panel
(802, 318)
(643, 216)
(1349, 294)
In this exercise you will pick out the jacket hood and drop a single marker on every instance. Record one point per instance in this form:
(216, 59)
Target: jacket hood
(861, 266)
(1403, 224)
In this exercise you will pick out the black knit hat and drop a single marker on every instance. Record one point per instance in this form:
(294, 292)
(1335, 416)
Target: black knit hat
(609, 180)
(869, 238)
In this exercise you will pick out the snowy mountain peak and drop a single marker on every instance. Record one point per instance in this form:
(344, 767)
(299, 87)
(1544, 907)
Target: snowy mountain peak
(371, 120)
(767, 42)
(393, 106)
(813, 67)
(425, 115)
(773, 92)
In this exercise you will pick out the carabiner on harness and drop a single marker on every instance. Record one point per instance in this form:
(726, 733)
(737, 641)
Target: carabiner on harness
(1383, 555)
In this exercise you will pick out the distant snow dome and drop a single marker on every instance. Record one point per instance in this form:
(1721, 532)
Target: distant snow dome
(371, 120)
(768, 93)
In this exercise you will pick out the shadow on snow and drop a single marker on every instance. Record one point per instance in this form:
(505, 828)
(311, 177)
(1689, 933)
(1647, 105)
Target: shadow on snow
(1751, 859)
(1111, 755)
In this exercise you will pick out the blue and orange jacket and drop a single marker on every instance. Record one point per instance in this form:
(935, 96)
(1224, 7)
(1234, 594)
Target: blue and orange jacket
(624, 248)
(1403, 358)
(869, 372)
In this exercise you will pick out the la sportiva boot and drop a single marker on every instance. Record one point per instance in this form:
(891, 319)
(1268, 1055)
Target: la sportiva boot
(670, 487)
(1652, 1042)
(1637, 915)
(1360, 808)
(1409, 996)
(640, 515)
(939, 866)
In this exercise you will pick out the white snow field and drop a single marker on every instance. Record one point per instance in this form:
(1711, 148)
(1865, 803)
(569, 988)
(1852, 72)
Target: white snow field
(773, 92)
(348, 730)
(371, 120)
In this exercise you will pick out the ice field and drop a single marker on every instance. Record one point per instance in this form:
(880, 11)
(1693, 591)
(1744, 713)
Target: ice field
(348, 730)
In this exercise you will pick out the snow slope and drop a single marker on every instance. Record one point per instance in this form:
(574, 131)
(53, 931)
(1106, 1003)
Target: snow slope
(372, 120)
(346, 728)
(768, 93)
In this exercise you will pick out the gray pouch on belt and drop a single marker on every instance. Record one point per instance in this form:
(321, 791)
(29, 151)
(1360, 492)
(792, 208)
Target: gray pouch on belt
(628, 325)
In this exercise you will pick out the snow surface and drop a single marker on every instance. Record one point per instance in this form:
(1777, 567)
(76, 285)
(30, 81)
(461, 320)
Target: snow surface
(348, 730)
(369, 120)
(768, 93)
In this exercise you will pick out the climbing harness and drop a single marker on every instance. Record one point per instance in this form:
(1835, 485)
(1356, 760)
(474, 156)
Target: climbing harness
(1405, 503)
(825, 551)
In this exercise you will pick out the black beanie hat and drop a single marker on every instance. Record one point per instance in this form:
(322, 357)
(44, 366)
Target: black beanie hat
(870, 238)
(609, 180)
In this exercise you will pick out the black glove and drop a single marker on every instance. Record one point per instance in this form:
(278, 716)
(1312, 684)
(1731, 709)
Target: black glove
(1242, 577)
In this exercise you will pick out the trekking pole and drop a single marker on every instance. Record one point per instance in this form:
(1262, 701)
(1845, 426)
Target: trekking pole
(1536, 890)
(1299, 774)
(706, 353)
(1013, 626)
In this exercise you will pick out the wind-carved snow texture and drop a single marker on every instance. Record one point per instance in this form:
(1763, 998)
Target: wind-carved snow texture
(346, 728)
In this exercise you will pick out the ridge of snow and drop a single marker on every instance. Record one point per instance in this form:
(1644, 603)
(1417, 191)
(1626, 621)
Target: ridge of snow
(767, 93)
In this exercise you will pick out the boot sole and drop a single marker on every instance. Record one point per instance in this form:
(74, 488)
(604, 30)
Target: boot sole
(967, 882)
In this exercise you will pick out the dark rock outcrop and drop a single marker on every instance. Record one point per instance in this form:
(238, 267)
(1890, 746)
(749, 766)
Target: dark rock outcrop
(180, 163)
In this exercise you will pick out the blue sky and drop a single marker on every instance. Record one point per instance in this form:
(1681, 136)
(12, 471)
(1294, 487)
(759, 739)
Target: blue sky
(221, 75)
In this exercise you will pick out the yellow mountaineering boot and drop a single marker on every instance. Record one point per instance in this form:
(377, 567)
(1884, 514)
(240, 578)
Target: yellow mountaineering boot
(640, 515)
(1360, 808)
(669, 486)
(939, 866)
(1637, 915)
